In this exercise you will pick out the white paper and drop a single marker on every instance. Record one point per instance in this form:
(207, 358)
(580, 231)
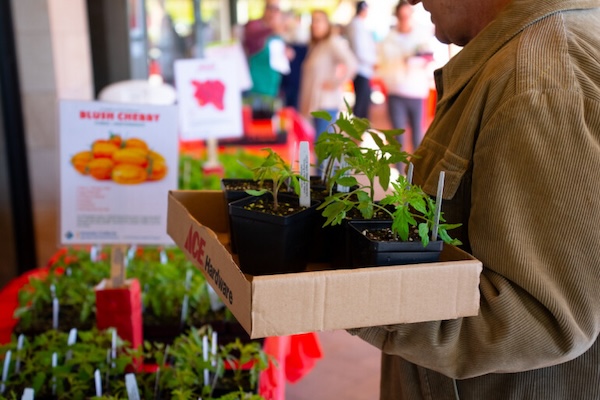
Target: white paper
(233, 53)
(278, 59)
(97, 207)
(209, 98)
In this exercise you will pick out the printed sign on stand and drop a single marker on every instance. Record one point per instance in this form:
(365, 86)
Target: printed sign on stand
(117, 165)
(209, 99)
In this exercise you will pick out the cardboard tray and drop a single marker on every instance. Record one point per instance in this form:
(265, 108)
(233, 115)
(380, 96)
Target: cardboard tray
(321, 299)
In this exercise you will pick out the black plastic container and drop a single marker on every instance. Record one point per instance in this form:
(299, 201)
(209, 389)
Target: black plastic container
(269, 244)
(233, 195)
(368, 253)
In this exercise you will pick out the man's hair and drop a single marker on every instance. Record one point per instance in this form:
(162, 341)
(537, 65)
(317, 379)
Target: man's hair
(360, 6)
(400, 4)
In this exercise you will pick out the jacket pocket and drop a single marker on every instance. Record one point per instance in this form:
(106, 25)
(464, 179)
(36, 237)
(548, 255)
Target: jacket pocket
(432, 158)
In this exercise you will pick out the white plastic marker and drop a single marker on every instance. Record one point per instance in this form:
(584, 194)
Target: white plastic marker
(186, 298)
(98, 383)
(131, 252)
(305, 173)
(205, 358)
(28, 394)
(94, 252)
(156, 382)
(5, 371)
(438, 205)
(113, 347)
(409, 173)
(213, 349)
(340, 188)
(215, 301)
(107, 369)
(55, 307)
(163, 256)
(20, 342)
(70, 342)
(133, 392)
(54, 364)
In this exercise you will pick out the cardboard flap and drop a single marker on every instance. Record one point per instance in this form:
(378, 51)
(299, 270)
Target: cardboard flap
(201, 245)
(343, 299)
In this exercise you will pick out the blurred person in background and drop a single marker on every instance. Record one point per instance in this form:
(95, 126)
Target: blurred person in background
(268, 58)
(362, 43)
(296, 37)
(404, 59)
(328, 65)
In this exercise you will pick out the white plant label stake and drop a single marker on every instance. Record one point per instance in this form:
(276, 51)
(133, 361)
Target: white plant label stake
(305, 173)
(438, 205)
(55, 307)
(54, 364)
(98, 383)
(20, 341)
(340, 188)
(186, 298)
(213, 349)
(409, 173)
(131, 252)
(163, 256)
(5, 371)
(215, 301)
(70, 342)
(133, 392)
(113, 347)
(28, 394)
(108, 369)
(205, 358)
(94, 251)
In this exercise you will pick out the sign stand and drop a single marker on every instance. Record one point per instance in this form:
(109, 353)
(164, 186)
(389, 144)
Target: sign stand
(119, 301)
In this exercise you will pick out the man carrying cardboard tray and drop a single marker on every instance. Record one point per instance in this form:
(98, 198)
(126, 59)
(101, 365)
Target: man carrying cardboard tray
(517, 130)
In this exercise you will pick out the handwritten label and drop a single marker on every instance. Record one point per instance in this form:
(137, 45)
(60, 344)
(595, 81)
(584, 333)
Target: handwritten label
(305, 173)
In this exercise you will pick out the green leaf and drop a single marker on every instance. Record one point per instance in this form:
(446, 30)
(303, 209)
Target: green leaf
(384, 176)
(322, 115)
(347, 181)
(424, 233)
(347, 127)
(253, 192)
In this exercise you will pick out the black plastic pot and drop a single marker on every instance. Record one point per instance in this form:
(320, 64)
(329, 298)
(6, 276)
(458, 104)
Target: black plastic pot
(368, 253)
(269, 244)
(233, 195)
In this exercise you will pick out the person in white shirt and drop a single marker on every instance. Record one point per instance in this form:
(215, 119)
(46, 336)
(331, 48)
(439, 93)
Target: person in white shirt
(363, 45)
(404, 59)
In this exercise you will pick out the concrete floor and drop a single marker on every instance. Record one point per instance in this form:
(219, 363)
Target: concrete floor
(349, 370)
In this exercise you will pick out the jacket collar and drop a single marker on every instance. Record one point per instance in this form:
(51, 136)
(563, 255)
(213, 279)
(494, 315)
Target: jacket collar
(518, 15)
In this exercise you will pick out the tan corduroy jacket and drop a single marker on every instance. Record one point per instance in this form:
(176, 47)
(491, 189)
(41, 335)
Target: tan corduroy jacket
(517, 130)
